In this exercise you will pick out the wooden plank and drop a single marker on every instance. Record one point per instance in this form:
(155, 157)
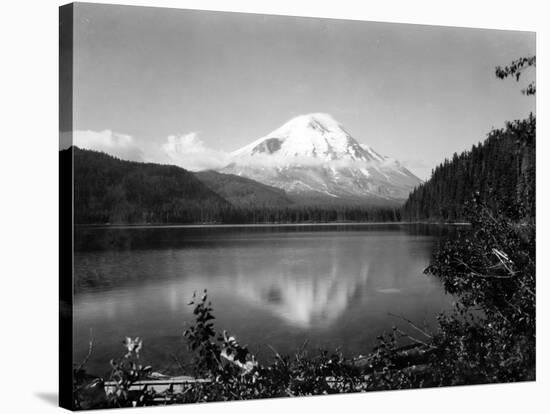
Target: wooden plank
(177, 384)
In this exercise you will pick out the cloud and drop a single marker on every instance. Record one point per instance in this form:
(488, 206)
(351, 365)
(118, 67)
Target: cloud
(419, 167)
(120, 145)
(189, 152)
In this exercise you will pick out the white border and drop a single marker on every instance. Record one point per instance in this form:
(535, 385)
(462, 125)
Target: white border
(28, 162)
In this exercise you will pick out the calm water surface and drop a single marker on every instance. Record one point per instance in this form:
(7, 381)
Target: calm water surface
(334, 286)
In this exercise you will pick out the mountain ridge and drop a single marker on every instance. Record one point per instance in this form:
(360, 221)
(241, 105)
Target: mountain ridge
(110, 190)
(242, 191)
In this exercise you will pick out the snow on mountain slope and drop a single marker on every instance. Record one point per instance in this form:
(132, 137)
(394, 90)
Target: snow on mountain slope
(313, 155)
(315, 136)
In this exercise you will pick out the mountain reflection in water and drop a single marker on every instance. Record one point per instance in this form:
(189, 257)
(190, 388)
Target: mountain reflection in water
(300, 298)
(332, 286)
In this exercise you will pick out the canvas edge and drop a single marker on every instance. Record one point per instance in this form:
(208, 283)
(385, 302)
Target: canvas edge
(65, 397)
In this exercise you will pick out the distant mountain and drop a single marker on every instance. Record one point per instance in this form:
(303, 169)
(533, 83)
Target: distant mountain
(110, 190)
(312, 157)
(500, 172)
(243, 192)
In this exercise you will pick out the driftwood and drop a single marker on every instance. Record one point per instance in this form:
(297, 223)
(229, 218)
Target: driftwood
(159, 385)
(403, 357)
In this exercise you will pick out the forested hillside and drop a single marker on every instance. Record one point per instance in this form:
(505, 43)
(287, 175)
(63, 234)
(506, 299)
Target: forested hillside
(109, 190)
(243, 192)
(114, 191)
(500, 173)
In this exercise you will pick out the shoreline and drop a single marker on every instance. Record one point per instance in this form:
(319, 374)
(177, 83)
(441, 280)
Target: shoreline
(264, 225)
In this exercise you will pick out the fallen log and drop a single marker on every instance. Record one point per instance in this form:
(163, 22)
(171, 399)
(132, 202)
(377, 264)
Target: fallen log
(172, 384)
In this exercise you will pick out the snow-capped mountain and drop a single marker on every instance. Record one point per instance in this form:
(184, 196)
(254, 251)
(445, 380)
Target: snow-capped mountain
(313, 155)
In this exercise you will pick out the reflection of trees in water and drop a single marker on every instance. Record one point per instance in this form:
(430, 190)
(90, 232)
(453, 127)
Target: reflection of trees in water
(97, 238)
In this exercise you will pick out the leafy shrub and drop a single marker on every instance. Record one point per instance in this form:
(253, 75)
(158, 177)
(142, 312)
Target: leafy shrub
(126, 371)
(491, 337)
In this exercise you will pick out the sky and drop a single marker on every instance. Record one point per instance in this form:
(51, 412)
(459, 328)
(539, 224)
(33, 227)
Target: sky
(187, 87)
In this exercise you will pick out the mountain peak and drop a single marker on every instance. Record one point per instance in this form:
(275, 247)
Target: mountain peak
(315, 136)
(317, 121)
(314, 154)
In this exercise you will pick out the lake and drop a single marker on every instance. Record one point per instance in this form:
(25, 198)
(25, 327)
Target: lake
(337, 286)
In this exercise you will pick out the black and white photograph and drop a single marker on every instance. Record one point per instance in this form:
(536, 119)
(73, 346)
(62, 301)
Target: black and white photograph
(263, 206)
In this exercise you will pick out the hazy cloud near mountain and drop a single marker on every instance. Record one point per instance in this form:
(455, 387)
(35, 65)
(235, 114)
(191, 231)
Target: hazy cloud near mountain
(119, 145)
(421, 168)
(186, 151)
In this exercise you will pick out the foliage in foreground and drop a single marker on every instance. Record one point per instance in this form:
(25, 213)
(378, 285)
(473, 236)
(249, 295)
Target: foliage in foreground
(489, 338)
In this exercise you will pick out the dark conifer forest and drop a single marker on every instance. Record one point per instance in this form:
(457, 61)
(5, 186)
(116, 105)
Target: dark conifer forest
(500, 173)
(109, 190)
